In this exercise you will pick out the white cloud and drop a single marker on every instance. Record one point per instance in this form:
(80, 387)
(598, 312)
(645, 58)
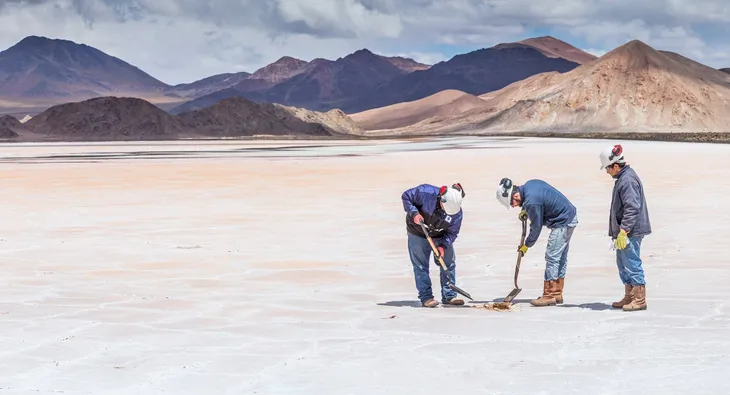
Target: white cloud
(182, 40)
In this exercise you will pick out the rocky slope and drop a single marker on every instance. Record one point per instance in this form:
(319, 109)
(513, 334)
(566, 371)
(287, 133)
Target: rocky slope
(727, 70)
(39, 68)
(106, 118)
(442, 104)
(237, 116)
(113, 118)
(632, 88)
(554, 48)
(207, 85)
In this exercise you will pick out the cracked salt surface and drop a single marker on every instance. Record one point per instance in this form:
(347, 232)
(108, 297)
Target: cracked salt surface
(228, 273)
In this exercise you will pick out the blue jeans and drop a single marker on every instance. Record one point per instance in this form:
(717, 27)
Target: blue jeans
(556, 253)
(629, 262)
(420, 253)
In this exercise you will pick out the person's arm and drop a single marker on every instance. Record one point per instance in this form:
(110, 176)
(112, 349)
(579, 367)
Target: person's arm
(534, 213)
(413, 200)
(631, 198)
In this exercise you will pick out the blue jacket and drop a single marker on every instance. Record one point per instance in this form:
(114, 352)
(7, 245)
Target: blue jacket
(628, 206)
(423, 199)
(545, 205)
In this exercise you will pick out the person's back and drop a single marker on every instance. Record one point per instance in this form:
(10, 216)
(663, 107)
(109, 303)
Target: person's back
(551, 205)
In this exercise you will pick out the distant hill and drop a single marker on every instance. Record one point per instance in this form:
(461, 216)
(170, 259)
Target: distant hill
(318, 85)
(237, 116)
(554, 48)
(207, 85)
(442, 104)
(125, 118)
(39, 68)
(727, 70)
(632, 88)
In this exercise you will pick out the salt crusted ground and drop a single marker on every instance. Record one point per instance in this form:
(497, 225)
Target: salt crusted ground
(237, 271)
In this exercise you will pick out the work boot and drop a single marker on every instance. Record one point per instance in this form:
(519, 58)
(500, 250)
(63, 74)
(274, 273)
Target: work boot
(547, 298)
(558, 292)
(455, 302)
(638, 299)
(430, 303)
(626, 300)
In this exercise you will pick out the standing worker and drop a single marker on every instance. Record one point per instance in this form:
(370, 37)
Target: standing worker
(628, 224)
(544, 205)
(440, 210)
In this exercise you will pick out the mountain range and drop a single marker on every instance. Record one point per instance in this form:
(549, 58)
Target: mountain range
(632, 88)
(39, 72)
(542, 84)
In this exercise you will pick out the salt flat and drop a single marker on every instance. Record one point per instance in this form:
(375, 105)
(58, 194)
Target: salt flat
(235, 268)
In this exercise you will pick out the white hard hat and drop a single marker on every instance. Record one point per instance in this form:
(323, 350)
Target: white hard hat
(504, 192)
(451, 198)
(611, 155)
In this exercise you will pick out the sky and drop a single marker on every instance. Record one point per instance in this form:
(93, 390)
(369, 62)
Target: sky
(179, 41)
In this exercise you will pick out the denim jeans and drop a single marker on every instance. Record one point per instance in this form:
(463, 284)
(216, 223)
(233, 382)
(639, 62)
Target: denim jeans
(420, 253)
(556, 253)
(628, 261)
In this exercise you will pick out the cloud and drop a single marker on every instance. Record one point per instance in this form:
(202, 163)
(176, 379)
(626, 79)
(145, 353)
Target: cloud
(182, 40)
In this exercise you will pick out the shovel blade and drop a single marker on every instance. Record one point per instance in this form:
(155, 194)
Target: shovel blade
(512, 294)
(460, 291)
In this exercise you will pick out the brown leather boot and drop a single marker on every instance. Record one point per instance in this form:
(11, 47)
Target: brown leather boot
(558, 293)
(547, 298)
(638, 299)
(626, 300)
(455, 302)
(430, 303)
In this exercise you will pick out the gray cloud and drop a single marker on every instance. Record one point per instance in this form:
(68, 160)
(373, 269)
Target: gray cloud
(180, 40)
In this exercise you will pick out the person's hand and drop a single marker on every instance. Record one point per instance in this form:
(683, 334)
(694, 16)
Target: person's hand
(621, 240)
(418, 218)
(522, 250)
(441, 251)
(522, 216)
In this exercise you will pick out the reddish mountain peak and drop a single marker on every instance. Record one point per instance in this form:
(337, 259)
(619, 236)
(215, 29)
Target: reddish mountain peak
(553, 47)
(284, 68)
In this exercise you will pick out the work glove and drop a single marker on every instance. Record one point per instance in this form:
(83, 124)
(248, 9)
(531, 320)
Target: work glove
(522, 216)
(523, 249)
(441, 251)
(621, 240)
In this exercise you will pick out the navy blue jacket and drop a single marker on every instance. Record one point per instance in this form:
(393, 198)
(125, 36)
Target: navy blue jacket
(628, 206)
(423, 199)
(545, 205)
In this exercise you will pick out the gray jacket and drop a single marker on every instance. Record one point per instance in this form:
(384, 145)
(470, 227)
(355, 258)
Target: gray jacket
(628, 206)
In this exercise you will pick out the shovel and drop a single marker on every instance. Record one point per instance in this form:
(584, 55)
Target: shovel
(517, 289)
(443, 265)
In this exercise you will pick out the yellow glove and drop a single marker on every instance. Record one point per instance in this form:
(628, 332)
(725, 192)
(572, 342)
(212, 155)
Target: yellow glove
(523, 250)
(522, 215)
(621, 240)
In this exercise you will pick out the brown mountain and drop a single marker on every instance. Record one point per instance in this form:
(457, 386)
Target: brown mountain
(554, 48)
(727, 70)
(476, 73)
(319, 85)
(207, 85)
(9, 127)
(632, 88)
(442, 104)
(39, 68)
(106, 118)
(406, 64)
(237, 116)
(115, 118)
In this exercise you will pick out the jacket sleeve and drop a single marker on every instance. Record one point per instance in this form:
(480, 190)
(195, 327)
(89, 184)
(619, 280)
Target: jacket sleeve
(631, 198)
(534, 213)
(412, 201)
(452, 232)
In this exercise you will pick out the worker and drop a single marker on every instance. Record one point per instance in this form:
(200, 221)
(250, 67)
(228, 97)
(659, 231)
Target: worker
(440, 210)
(628, 224)
(545, 206)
